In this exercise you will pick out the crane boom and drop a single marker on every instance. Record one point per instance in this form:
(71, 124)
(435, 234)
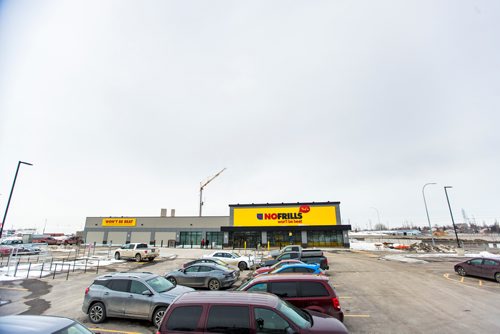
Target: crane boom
(203, 185)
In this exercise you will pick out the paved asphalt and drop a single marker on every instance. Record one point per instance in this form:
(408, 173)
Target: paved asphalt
(377, 296)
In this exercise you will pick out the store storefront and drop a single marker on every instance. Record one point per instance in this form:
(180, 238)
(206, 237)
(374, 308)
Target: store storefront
(276, 225)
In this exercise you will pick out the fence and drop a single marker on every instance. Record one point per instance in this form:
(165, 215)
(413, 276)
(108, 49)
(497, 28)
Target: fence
(46, 265)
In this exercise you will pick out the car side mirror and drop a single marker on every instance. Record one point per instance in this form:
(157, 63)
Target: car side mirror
(290, 330)
(147, 293)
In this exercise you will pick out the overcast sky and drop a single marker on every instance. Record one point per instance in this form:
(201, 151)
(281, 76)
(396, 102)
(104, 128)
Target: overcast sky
(124, 107)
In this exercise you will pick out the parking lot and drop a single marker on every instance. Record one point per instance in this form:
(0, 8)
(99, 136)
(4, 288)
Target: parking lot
(377, 296)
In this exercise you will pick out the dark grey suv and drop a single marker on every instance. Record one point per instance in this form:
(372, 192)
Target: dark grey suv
(130, 295)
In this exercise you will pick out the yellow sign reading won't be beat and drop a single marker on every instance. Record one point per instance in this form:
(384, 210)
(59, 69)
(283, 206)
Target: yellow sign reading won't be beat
(118, 222)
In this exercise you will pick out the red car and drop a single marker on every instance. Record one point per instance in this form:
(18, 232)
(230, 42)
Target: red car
(306, 291)
(265, 270)
(482, 267)
(243, 313)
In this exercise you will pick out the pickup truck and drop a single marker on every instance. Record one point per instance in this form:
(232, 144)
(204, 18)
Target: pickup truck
(306, 257)
(137, 251)
(296, 248)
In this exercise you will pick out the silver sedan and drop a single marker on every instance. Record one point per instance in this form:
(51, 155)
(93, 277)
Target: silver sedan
(204, 275)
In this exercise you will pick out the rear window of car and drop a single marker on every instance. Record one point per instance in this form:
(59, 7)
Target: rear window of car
(228, 320)
(303, 270)
(284, 289)
(142, 246)
(101, 282)
(313, 289)
(119, 285)
(184, 318)
(490, 263)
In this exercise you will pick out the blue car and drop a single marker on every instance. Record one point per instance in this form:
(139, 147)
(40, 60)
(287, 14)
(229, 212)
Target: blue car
(298, 268)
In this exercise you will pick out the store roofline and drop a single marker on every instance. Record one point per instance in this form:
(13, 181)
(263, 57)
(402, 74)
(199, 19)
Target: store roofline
(282, 204)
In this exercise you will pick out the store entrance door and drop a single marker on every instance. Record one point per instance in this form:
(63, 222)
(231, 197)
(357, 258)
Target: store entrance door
(252, 238)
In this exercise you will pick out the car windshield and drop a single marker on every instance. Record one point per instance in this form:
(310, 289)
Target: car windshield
(160, 284)
(75, 328)
(296, 315)
(220, 262)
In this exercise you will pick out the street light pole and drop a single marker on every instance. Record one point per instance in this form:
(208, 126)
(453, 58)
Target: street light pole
(427, 211)
(10, 196)
(203, 185)
(451, 214)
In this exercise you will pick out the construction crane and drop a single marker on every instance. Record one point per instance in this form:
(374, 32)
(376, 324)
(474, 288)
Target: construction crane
(203, 185)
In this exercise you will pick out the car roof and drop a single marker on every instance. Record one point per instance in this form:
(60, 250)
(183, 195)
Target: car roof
(300, 265)
(290, 277)
(39, 324)
(209, 264)
(130, 274)
(228, 298)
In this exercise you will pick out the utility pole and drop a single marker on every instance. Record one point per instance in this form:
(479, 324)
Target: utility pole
(427, 212)
(203, 185)
(451, 214)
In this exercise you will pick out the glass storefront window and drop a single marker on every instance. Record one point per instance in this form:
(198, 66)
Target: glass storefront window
(325, 239)
(214, 239)
(238, 239)
(190, 239)
(283, 238)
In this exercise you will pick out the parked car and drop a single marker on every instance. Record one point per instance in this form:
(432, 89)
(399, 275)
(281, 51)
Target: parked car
(138, 251)
(44, 240)
(11, 242)
(243, 313)
(5, 250)
(40, 324)
(304, 257)
(482, 267)
(299, 268)
(213, 261)
(130, 295)
(204, 275)
(311, 292)
(243, 262)
(265, 270)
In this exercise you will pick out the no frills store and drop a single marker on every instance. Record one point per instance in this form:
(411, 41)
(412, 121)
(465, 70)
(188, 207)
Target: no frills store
(314, 224)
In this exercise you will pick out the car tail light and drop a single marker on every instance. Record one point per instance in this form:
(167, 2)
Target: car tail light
(336, 304)
(145, 252)
(86, 290)
(158, 332)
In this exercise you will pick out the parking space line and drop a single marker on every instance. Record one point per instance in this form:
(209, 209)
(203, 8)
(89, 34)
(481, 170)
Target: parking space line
(357, 315)
(17, 289)
(462, 281)
(112, 331)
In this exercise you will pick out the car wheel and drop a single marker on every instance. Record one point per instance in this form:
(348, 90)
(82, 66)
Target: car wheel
(242, 265)
(97, 313)
(213, 284)
(138, 257)
(497, 277)
(158, 316)
(172, 280)
(461, 271)
(117, 256)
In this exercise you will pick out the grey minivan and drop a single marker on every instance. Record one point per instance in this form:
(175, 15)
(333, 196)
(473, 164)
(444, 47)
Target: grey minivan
(130, 295)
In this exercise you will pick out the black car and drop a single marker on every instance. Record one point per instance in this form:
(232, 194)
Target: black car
(488, 268)
(40, 324)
